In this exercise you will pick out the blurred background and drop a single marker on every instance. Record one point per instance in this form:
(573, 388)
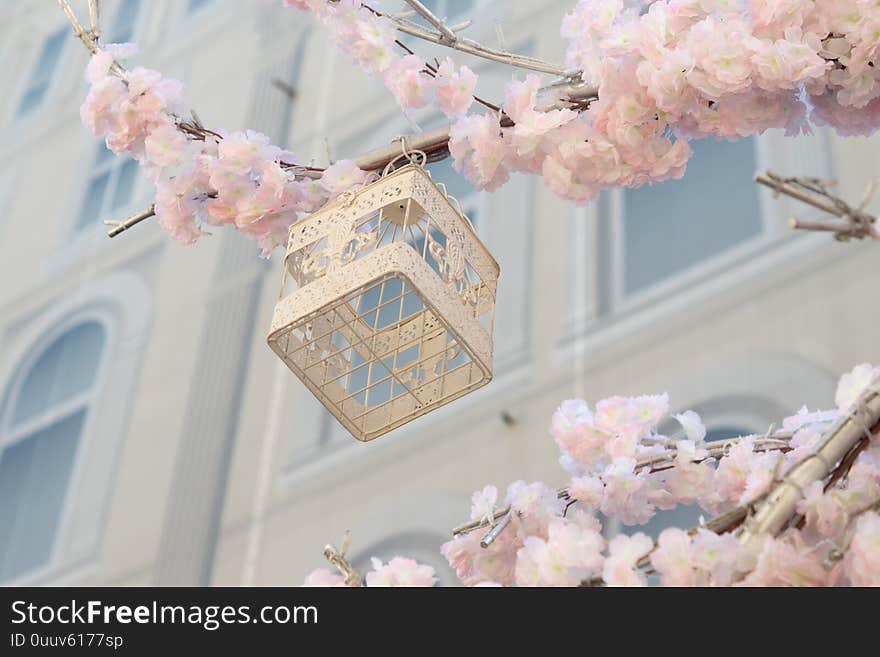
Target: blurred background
(149, 436)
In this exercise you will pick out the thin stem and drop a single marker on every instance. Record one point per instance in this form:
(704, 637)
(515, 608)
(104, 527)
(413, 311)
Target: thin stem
(94, 16)
(473, 48)
(429, 16)
(777, 441)
(814, 192)
(122, 226)
(337, 558)
(432, 71)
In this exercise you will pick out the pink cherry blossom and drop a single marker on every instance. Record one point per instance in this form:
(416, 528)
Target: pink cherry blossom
(862, 562)
(822, 512)
(853, 384)
(787, 561)
(483, 504)
(408, 83)
(476, 143)
(342, 175)
(620, 564)
(672, 558)
(689, 481)
(715, 555)
(627, 493)
(533, 499)
(805, 417)
(692, 424)
(324, 577)
(165, 144)
(400, 571)
(587, 490)
(574, 432)
(454, 88)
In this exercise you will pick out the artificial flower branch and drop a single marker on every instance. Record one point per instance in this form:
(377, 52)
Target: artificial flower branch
(778, 440)
(802, 512)
(861, 422)
(674, 73)
(845, 440)
(434, 144)
(446, 36)
(857, 223)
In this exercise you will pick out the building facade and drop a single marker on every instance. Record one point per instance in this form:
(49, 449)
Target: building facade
(149, 436)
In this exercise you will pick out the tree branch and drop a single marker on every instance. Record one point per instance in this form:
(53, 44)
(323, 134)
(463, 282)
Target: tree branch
(429, 16)
(777, 441)
(472, 47)
(779, 505)
(858, 224)
(94, 17)
(337, 558)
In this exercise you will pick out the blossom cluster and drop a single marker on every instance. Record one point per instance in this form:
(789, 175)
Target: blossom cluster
(398, 572)
(368, 38)
(622, 467)
(681, 69)
(202, 178)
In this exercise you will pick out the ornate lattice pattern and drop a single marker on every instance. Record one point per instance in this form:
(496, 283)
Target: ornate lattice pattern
(392, 315)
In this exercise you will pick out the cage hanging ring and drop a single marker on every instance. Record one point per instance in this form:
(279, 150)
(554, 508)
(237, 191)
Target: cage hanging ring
(417, 157)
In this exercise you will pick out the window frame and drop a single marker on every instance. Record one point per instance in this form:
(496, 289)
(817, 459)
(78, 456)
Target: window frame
(19, 113)
(603, 299)
(86, 402)
(111, 165)
(136, 26)
(196, 7)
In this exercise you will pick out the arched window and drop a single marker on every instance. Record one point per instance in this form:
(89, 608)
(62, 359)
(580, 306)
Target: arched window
(40, 430)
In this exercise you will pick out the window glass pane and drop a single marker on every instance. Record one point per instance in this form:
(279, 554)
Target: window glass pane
(94, 200)
(123, 26)
(67, 367)
(124, 183)
(104, 154)
(43, 70)
(32, 97)
(673, 225)
(196, 4)
(457, 7)
(34, 477)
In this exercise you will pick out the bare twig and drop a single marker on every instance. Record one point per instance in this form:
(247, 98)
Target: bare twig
(776, 441)
(122, 226)
(343, 565)
(446, 34)
(94, 18)
(858, 224)
(472, 47)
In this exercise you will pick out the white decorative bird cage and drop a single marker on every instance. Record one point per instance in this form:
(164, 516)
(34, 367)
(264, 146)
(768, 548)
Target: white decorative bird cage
(392, 315)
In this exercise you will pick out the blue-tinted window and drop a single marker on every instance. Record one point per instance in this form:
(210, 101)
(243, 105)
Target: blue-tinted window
(43, 72)
(39, 439)
(124, 22)
(674, 225)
